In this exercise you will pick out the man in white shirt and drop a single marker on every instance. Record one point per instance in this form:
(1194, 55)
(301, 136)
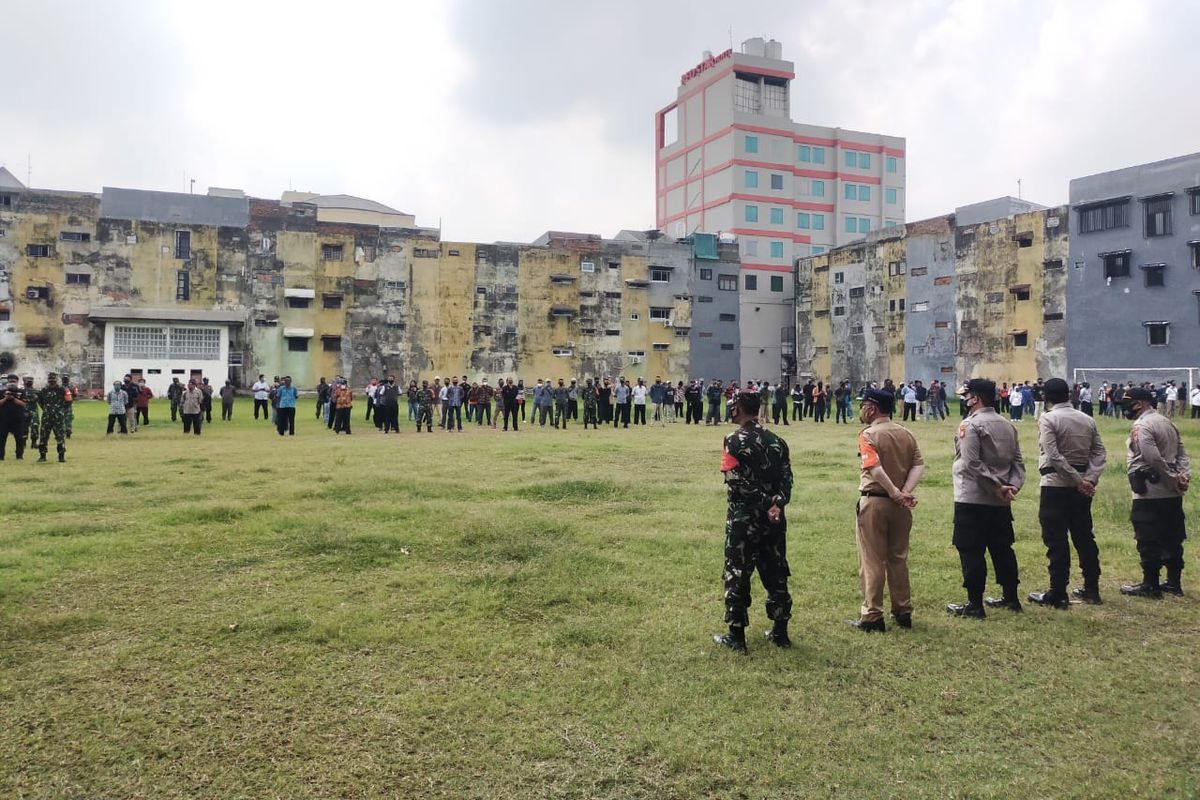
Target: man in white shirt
(1195, 400)
(910, 403)
(262, 391)
(639, 394)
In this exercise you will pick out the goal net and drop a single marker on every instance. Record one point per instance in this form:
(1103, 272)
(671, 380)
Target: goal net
(1095, 376)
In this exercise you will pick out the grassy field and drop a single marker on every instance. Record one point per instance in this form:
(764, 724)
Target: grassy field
(528, 616)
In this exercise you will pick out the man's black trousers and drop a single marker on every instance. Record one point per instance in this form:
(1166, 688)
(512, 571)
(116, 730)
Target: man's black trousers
(1158, 529)
(980, 529)
(1064, 512)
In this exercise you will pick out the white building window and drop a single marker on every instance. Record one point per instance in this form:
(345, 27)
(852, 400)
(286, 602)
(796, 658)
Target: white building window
(139, 343)
(203, 344)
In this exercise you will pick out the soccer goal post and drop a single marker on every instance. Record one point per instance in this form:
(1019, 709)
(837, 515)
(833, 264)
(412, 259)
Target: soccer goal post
(1095, 376)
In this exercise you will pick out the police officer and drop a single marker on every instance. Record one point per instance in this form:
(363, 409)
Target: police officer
(12, 416)
(53, 402)
(1070, 461)
(32, 416)
(891, 467)
(1159, 473)
(988, 472)
(758, 480)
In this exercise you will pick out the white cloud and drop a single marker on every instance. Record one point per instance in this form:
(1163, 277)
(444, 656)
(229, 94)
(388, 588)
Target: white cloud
(508, 119)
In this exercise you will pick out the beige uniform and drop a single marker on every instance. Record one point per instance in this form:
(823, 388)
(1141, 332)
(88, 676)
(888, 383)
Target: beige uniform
(883, 525)
(1070, 446)
(987, 456)
(1154, 444)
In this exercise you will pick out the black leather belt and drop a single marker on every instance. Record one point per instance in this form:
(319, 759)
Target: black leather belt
(873, 494)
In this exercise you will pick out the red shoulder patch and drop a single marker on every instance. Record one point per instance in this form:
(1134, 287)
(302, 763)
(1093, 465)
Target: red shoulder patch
(728, 462)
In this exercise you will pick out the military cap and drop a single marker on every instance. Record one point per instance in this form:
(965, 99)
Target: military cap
(1138, 393)
(885, 401)
(50, 375)
(1056, 390)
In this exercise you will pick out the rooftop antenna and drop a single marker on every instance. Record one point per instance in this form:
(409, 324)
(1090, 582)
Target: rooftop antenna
(730, 37)
(192, 186)
(1018, 188)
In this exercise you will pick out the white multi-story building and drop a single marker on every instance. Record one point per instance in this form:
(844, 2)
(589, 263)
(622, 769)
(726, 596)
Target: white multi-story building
(730, 160)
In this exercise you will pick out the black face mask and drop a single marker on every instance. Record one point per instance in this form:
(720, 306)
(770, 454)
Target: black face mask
(1129, 412)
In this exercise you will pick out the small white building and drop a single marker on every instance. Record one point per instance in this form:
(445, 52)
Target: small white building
(159, 344)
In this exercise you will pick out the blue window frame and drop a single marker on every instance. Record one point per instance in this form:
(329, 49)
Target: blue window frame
(864, 160)
(776, 216)
(892, 165)
(751, 144)
(817, 249)
(751, 213)
(864, 192)
(864, 225)
(804, 154)
(802, 221)
(818, 222)
(777, 182)
(850, 191)
(776, 249)
(851, 158)
(892, 196)
(751, 179)
(851, 225)
(818, 188)
(818, 155)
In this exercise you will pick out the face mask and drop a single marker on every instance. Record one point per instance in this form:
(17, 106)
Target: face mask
(1129, 412)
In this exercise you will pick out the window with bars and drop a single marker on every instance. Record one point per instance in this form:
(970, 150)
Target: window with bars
(1104, 216)
(747, 96)
(139, 342)
(196, 343)
(1158, 216)
(1116, 265)
(183, 245)
(727, 283)
(331, 252)
(183, 286)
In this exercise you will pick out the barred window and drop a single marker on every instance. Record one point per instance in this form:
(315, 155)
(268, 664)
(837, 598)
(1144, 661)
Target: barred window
(1104, 216)
(138, 342)
(196, 343)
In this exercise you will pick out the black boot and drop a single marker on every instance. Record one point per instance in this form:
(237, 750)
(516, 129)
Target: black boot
(869, 626)
(1147, 588)
(969, 609)
(1088, 594)
(778, 635)
(62, 456)
(1172, 585)
(41, 456)
(735, 640)
(1009, 600)
(1055, 598)
(904, 620)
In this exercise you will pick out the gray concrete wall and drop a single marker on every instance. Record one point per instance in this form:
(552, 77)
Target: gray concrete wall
(708, 359)
(1105, 318)
(928, 346)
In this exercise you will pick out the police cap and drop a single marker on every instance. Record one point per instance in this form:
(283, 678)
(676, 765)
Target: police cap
(1138, 393)
(983, 389)
(1056, 390)
(884, 401)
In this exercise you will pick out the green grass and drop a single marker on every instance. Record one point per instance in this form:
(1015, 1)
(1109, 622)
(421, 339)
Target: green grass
(528, 616)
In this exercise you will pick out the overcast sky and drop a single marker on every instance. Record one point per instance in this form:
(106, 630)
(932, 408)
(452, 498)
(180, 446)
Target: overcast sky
(506, 119)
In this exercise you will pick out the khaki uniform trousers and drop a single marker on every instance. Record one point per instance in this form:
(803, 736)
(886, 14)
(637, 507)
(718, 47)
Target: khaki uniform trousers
(883, 532)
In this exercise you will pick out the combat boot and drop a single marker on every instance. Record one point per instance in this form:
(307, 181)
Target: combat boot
(869, 626)
(735, 640)
(904, 619)
(1172, 585)
(1152, 591)
(1091, 596)
(1008, 601)
(41, 456)
(970, 610)
(778, 635)
(1054, 598)
(62, 456)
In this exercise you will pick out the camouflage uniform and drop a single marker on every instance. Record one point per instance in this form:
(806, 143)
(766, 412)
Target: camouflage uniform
(69, 409)
(758, 475)
(425, 409)
(591, 406)
(52, 399)
(31, 414)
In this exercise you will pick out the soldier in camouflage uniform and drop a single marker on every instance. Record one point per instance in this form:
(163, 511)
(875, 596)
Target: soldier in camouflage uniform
(52, 399)
(31, 428)
(425, 407)
(758, 478)
(591, 406)
(69, 395)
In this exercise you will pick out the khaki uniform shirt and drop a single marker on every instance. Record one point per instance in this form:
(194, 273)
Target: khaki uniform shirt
(1154, 443)
(987, 456)
(1069, 448)
(886, 444)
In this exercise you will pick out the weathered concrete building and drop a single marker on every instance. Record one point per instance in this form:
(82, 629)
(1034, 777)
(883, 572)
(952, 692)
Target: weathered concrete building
(1133, 274)
(225, 286)
(976, 293)
(729, 159)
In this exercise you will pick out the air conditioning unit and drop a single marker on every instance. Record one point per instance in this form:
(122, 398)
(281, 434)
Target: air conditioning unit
(571, 344)
(32, 293)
